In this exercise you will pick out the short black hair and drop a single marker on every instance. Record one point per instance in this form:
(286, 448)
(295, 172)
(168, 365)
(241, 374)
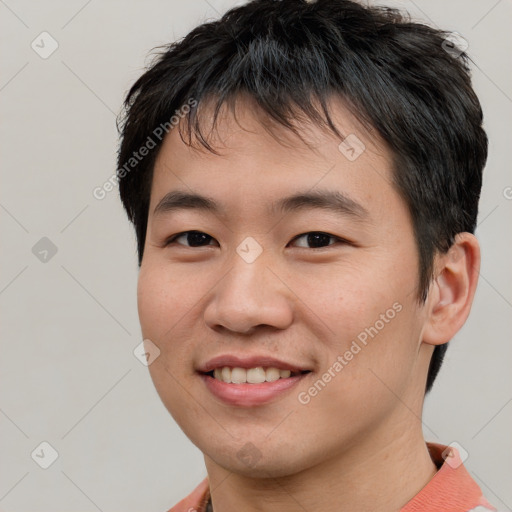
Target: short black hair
(397, 76)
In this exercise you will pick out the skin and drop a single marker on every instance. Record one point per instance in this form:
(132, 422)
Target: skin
(353, 445)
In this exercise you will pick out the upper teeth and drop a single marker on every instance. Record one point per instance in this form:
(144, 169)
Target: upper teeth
(251, 376)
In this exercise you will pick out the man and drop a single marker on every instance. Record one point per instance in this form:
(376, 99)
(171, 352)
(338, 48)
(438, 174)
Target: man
(303, 178)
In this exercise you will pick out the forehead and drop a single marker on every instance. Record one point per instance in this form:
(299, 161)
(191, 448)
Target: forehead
(262, 160)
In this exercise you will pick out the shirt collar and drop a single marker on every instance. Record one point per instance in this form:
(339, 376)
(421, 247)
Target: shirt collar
(451, 488)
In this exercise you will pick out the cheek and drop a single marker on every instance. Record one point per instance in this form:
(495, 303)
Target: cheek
(373, 324)
(163, 298)
(168, 300)
(162, 304)
(360, 382)
(347, 297)
(152, 301)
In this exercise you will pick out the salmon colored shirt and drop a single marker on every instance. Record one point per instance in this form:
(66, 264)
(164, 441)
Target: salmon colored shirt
(451, 489)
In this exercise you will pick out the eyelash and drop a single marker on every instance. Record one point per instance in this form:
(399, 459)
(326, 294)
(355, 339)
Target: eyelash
(171, 240)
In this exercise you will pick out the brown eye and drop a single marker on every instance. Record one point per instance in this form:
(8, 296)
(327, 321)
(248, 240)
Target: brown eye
(316, 239)
(193, 238)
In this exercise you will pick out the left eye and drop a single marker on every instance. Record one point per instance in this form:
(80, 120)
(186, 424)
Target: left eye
(317, 239)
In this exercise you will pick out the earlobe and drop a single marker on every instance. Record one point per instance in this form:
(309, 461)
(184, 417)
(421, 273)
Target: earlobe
(452, 290)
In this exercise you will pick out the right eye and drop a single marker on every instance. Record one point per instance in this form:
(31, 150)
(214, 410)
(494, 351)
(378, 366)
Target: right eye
(194, 238)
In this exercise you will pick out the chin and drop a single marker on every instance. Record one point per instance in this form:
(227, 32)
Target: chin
(252, 463)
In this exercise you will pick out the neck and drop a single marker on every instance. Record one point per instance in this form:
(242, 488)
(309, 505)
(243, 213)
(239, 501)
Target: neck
(381, 474)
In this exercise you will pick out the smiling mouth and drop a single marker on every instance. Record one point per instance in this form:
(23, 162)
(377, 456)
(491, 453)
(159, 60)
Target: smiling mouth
(258, 375)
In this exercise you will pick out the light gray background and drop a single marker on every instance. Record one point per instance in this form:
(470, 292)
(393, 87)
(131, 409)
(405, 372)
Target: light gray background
(69, 325)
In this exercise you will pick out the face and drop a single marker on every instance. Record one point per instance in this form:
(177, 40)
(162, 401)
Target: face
(323, 286)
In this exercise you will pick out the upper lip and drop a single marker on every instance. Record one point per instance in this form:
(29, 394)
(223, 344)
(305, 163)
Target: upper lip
(249, 362)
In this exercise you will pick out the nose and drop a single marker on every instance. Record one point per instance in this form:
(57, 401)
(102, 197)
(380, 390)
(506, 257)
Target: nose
(249, 296)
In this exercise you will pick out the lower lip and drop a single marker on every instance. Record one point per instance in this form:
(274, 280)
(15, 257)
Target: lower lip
(248, 395)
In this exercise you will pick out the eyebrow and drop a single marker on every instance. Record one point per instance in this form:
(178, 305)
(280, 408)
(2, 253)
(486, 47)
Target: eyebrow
(330, 200)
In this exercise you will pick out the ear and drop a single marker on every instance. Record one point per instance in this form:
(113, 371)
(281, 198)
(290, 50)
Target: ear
(452, 290)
